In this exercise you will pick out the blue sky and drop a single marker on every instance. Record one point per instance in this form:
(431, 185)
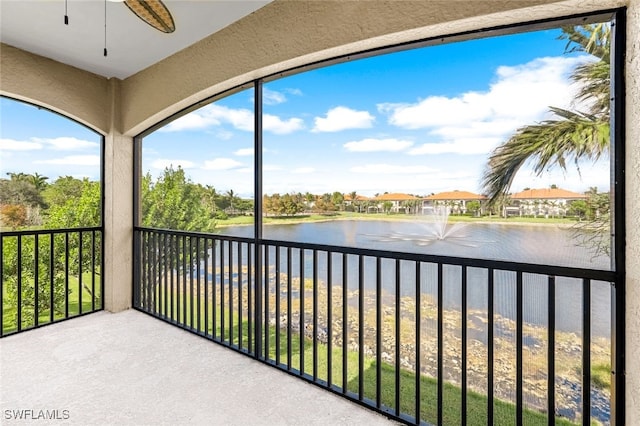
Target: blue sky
(33, 140)
(417, 121)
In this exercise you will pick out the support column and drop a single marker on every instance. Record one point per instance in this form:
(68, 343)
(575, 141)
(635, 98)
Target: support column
(118, 210)
(632, 198)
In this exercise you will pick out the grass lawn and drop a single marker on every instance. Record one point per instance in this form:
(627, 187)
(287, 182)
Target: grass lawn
(302, 353)
(9, 312)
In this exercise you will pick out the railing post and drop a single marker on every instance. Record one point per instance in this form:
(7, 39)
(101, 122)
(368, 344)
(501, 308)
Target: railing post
(257, 215)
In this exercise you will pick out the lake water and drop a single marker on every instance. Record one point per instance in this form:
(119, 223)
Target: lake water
(547, 245)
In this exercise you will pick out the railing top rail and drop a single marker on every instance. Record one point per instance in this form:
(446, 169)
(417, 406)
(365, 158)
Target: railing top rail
(573, 272)
(48, 231)
(502, 265)
(196, 234)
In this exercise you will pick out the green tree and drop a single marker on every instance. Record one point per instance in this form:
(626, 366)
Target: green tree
(338, 200)
(594, 231)
(174, 202)
(11, 258)
(324, 204)
(267, 204)
(578, 208)
(62, 189)
(231, 197)
(473, 207)
(290, 206)
(20, 191)
(572, 135)
(39, 181)
(244, 205)
(79, 210)
(210, 197)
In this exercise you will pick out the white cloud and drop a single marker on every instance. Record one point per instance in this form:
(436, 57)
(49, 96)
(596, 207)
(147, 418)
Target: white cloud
(243, 152)
(274, 124)
(192, 121)
(240, 118)
(271, 167)
(73, 160)
(293, 91)
(212, 115)
(303, 170)
(222, 164)
(163, 163)
(224, 135)
(149, 151)
(591, 174)
(342, 118)
(58, 144)
(390, 169)
(493, 128)
(468, 146)
(466, 123)
(371, 145)
(15, 145)
(66, 143)
(271, 97)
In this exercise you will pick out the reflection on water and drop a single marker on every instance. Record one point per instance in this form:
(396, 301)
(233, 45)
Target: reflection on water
(548, 245)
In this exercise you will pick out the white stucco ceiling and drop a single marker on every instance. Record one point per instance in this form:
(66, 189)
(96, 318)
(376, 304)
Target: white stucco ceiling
(37, 26)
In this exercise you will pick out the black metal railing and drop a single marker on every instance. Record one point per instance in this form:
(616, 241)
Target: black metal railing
(48, 276)
(421, 338)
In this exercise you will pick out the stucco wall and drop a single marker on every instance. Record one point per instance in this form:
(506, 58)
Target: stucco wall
(78, 94)
(632, 70)
(118, 209)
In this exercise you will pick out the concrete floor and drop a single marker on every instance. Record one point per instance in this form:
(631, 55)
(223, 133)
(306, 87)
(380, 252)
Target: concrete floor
(131, 369)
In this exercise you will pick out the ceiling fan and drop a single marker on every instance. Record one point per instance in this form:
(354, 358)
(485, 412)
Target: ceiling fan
(153, 12)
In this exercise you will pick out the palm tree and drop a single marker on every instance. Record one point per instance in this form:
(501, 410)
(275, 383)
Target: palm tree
(38, 180)
(211, 196)
(354, 200)
(17, 176)
(231, 196)
(573, 135)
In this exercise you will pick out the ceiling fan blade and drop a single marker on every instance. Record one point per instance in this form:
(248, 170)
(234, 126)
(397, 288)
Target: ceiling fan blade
(154, 13)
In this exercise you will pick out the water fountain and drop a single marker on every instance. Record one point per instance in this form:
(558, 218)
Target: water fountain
(436, 227)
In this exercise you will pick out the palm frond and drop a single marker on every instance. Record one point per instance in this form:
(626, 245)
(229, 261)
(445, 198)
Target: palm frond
(552, 142)
(594, 80)
(593, 39)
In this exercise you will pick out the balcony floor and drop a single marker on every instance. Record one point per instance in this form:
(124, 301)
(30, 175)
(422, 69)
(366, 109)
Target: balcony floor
(131, 369)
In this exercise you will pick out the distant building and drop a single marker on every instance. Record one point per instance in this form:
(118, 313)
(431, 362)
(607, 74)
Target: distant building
(359, 202)
(348, 200)
(400, 203)
(542, 202)
(456, 201)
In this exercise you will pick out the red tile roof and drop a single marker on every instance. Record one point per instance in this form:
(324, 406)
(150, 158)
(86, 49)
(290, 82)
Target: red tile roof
(395, 197)
(347, 197)
(546, 193)
(456, 195)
